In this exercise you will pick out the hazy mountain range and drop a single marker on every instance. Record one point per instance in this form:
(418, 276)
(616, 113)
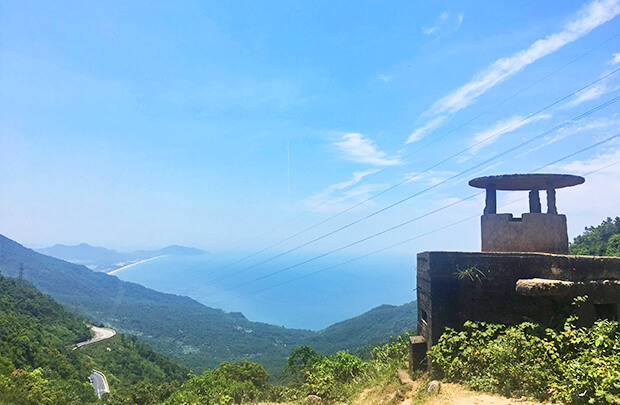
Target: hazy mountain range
(194, 334)
(103, 259)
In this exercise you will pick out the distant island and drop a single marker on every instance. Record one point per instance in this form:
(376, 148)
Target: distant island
(109, 260)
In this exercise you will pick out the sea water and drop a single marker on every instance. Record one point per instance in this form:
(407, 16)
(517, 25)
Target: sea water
(311, 296)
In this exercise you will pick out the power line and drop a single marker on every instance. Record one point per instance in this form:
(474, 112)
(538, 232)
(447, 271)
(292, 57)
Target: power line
(405, 157)
(405, 223)
(437, 229)
(323, 236)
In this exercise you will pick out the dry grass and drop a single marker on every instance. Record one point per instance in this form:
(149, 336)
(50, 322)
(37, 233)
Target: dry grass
(393, 393)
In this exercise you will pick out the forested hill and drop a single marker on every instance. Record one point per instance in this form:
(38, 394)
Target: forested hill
(602, 240)
(367, 329)
(195, 335)
(38, 365)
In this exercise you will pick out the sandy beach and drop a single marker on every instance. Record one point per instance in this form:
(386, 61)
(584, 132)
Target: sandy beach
(133, 264)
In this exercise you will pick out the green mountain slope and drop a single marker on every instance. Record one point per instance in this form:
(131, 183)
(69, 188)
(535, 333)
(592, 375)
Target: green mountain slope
(193, 334)
(38, 365)
(180, 327)
(602, 240)
(367, 329)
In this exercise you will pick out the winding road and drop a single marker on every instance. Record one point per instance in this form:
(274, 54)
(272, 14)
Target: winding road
(99, 382)
(97, 378)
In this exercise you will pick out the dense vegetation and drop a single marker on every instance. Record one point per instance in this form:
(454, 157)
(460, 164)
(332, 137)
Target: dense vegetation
(38, 365)
(335, 378)
(570, 365)
(602, 240)
(126, 362)
(193, 334)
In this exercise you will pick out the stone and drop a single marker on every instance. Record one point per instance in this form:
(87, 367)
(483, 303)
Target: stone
(404, 377)
(433, 387)
(417, 353)
(533, 232)
(527, 181)
(313, 399)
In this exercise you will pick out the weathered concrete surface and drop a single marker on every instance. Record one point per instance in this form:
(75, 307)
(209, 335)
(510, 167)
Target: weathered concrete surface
(533, 232)
(603, 290)
(445, 300)
(417, 353)
(404, 377)
(536, 181)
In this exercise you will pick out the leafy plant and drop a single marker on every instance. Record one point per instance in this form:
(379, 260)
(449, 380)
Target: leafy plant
(471, 273)
(570, 365)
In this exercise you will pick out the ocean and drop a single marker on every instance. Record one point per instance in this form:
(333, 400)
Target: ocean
(312, 302)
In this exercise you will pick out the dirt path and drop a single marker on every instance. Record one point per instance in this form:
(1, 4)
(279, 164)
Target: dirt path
(395, 393)
(455, 394)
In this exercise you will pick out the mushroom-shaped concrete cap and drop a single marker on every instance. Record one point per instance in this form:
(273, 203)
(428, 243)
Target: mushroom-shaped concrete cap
(527, 181)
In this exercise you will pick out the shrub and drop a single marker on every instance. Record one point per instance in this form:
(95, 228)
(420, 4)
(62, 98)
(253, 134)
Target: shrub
(571, 365)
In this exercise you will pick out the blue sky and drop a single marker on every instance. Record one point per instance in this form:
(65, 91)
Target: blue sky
(142, 124)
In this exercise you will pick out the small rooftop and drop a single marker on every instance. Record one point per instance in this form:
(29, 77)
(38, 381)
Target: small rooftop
(527, 181)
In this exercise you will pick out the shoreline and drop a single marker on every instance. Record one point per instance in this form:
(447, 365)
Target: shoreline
(133, 264)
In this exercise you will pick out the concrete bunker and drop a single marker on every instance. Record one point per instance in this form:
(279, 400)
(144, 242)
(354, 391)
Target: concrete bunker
(522, 273)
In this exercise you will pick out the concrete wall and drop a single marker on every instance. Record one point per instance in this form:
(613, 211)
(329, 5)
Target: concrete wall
(530, 233)
(447, 300)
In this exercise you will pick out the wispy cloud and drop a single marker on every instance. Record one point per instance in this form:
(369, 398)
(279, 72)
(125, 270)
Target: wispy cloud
(343, 195)
(429, 178)
(357, 148)
(357, 177)
(488, 136)
(599, 126)
(424, 130)
(385, 78)
(445, 24)
(591, 93)
(598, 197)
(589, 17)
(615, 60)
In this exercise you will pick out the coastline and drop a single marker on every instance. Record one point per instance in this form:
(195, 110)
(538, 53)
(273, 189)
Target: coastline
(133, 264)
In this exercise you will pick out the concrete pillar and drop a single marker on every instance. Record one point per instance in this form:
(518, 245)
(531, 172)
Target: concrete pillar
(417, 353)
(551, 207)
(491, 200)
(535, 202)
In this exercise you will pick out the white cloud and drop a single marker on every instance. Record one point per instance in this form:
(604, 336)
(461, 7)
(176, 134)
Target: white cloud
(357, 148)
(485, 138)
(591, 93)
(429, 178)
(423, 131)
(596, 199)
(385, 78)
(357, 177)
(343, 195)
(600, 126)
(591, 16)
(615, 60)
(445, 24)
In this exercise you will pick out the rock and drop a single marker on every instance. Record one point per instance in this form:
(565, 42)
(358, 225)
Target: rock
(313, 399)
(433, 387)
(405, 378)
